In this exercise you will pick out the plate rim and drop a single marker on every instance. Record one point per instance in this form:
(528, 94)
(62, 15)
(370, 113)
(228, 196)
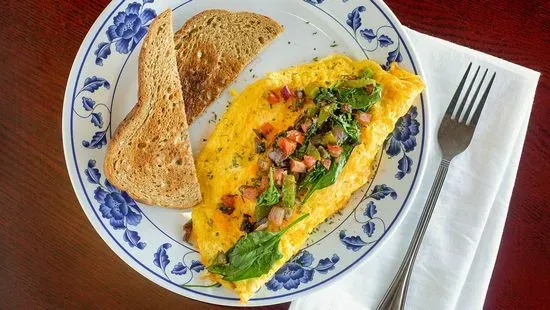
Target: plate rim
(425, 149)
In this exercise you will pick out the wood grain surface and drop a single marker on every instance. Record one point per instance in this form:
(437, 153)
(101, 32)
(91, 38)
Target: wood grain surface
(51, 257)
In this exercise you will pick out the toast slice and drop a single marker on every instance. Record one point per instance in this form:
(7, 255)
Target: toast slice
(213, 47)
(150, 155)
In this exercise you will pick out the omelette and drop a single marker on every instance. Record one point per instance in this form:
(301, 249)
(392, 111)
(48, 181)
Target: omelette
(288, 153)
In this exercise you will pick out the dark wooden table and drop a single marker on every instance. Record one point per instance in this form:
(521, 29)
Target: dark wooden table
(50, 256)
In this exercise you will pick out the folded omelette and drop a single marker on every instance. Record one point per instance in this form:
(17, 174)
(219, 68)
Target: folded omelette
(288, 153)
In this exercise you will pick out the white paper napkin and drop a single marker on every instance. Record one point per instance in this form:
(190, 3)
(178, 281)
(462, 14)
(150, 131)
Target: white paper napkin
(456, 259)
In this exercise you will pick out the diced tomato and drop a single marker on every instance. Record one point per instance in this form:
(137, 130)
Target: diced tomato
(228, 200)
(306, 124)
(297, 166)
(249, 192)
(295, 136)
(273, 98)
(326, 162)
(287, 146)
(264, 183)
(334, 150)
(363, 117)
(309, 161)
(266, 129)
(278, 176)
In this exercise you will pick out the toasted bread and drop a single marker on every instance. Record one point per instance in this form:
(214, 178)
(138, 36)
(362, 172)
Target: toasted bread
(212, 48)
(150, 155)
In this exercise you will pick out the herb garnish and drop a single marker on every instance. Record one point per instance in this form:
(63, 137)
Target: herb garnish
(235, 160)
(358, 98)
(253, 255)
(351, 126)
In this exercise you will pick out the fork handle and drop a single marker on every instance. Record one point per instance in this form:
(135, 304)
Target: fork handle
(396, 294)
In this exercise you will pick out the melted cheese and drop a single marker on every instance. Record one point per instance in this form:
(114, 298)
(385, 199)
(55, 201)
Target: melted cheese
(228, 159)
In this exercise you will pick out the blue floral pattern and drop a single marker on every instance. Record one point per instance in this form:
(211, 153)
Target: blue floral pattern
(369, 226)
(91, 85)
(381, 37)
(381, 191)
(354, 243)
(181, 269)
(116, 206)
(129, 27)
(368, 34)
(403, 140)
(299, 270)
(368, 219)
(354, 18)
(161, 259)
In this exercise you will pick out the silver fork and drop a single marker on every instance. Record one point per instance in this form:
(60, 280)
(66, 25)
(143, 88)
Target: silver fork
(455, 134)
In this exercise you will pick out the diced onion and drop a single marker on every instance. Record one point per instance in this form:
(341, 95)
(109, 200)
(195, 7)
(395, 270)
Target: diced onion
(276, 216)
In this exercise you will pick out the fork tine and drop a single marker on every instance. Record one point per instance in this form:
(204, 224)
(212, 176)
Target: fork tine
(472, 102)
(463, 103)
(477, 113)
(454, 100)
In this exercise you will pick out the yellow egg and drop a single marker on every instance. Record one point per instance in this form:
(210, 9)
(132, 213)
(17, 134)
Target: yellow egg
(228, 159)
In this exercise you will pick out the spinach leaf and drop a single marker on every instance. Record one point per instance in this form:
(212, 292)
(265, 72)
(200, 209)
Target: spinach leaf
(312, 130)
(253, 255)
(325, 95)
(267, 199)
(351, 126)
(330, 176)
(359, 98)
(313, 176)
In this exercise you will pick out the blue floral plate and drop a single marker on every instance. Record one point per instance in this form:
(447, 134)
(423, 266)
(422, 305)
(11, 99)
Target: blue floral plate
(102, 88)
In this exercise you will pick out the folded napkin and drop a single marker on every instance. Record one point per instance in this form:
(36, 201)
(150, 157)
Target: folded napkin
(456, 259)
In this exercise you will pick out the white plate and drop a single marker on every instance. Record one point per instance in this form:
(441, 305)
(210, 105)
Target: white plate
(102, 88)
